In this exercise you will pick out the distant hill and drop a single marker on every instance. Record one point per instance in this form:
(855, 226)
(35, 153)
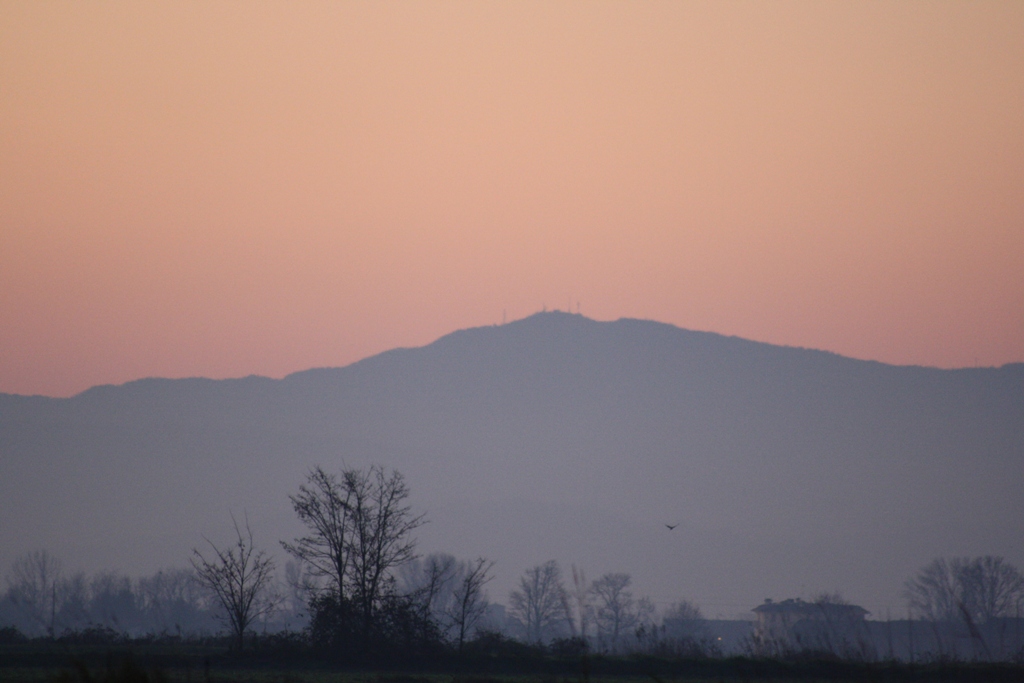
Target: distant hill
(789, 471)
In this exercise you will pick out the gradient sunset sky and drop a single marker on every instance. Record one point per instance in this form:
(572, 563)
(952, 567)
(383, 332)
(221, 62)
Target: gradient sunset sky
(232, 188)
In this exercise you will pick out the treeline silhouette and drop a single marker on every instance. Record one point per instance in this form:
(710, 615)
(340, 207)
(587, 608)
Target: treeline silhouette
(355, 593)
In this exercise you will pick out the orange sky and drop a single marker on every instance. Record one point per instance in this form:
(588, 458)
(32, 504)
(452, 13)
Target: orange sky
(222, 189)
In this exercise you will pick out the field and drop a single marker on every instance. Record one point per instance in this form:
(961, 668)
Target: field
(212, 663)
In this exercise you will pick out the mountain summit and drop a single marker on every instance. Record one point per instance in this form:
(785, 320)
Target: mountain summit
(789, 471)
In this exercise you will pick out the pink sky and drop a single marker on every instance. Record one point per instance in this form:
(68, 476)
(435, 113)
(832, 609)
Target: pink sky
(222, 189)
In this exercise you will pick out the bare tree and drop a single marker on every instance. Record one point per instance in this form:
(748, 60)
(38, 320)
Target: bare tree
(114, 603)
(323, 505)
(540, 601)
(992, 588)
(174, 599)
(360, 530)
(33, 584)
(241, 577)
(73, 603)
(447, 591)
(936, 591)
(616, 609)
(429, 582)
(974, 590)
(468, 600)
(301, 586)
(380, 539)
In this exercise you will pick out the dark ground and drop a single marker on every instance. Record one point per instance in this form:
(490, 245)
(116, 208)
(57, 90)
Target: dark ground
(212, 662)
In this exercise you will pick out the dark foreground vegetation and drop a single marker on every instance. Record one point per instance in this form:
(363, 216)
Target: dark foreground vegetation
(102, 656)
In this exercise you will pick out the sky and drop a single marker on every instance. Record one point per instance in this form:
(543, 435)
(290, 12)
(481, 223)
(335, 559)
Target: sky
(230, 188)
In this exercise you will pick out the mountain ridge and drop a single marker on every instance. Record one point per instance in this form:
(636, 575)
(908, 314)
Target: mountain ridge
(1019, 366)
(555, 436)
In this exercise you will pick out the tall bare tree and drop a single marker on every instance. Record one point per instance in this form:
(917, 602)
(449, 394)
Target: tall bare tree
(380, 539)
(323, 505)
(241, 577)
(616, 610)
(540, 601)
(468, 600)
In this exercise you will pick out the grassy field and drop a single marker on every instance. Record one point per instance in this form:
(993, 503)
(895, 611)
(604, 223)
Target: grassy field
(190, 663)
(271, 675)
(263, 675)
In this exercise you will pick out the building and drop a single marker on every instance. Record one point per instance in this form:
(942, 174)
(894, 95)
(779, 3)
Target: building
(794, 625)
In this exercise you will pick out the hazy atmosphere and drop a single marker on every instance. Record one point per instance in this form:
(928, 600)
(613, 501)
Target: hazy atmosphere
(723, 296)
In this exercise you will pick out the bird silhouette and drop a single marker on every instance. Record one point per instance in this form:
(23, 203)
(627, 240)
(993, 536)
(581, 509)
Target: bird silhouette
(671, 526)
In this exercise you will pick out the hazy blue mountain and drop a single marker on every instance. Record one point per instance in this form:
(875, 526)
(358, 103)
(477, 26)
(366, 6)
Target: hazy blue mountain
(789, 471)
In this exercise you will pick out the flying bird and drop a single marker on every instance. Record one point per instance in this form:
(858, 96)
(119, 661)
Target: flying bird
(671, 526)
